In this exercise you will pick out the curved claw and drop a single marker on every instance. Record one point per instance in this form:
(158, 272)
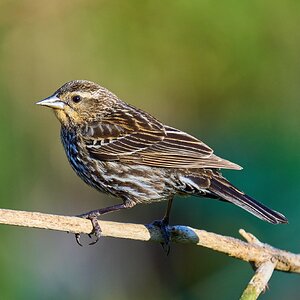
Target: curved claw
(94, 242)
(77, 237)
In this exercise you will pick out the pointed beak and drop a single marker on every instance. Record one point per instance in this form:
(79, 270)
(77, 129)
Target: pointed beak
(52, 102)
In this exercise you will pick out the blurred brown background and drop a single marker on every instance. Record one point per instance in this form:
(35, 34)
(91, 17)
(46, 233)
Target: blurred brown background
(227, 72)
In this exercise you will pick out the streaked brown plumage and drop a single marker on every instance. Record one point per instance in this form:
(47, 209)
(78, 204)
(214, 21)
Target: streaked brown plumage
(124, 151)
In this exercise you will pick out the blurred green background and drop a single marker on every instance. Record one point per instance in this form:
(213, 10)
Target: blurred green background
(225, 71)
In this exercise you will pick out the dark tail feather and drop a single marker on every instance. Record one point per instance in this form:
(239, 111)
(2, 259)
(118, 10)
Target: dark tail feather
(224, 189)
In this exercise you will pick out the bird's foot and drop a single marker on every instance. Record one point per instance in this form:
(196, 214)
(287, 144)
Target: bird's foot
(96, 228)
(92, 215)
(163, 227)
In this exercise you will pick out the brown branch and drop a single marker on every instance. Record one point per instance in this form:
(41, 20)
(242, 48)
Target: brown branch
(250, 251)
(259, 282)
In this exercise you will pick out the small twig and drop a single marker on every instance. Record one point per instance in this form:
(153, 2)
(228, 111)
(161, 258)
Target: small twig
(264, 271)
(250, 238)
(251, 252)
(259, 281)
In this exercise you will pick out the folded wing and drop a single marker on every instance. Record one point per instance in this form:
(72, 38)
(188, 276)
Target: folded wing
(132, 136)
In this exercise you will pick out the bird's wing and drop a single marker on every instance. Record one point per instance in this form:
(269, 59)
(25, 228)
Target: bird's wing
(132, 136)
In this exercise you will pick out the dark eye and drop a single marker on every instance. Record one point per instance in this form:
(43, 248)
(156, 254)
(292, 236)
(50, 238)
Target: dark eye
(76, 98)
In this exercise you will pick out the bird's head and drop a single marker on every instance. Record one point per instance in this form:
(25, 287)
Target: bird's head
(79, 101)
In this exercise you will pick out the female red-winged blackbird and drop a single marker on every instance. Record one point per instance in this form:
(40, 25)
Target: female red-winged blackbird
(122, 150)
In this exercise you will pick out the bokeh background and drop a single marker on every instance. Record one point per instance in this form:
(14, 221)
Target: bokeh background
(225, 71)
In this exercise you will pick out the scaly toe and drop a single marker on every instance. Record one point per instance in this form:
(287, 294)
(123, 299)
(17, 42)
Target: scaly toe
(96, 229)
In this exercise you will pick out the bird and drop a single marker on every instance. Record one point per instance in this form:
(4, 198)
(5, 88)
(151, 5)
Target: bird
(123, 151)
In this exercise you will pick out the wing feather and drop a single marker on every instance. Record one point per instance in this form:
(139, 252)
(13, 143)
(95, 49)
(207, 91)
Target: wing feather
(133, 136)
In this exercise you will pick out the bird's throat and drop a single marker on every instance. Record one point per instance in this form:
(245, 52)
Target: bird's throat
(62, 117)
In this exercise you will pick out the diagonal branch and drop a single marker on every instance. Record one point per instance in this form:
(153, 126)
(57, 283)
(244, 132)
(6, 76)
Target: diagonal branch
(259, 282)
(251, 251)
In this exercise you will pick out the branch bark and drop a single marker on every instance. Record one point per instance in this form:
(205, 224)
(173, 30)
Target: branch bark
(251, 251)
(259, 281)
(264, 271)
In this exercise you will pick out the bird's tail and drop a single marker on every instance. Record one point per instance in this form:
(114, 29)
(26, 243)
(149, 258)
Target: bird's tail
(224, 189)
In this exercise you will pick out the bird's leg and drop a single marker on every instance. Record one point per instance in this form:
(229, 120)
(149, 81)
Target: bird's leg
(93, 216)
(163, 226)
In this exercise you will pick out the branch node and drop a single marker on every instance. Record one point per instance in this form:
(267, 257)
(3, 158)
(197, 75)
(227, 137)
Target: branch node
(249, 237)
